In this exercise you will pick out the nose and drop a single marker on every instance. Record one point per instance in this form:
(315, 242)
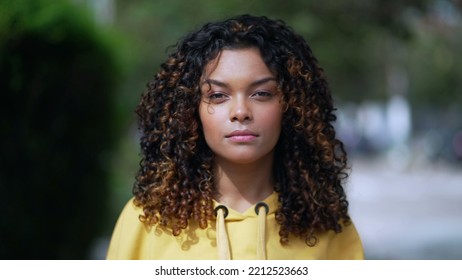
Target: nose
(240, 110)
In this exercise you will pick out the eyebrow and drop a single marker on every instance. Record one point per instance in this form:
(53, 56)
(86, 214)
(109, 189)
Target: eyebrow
(225, 85)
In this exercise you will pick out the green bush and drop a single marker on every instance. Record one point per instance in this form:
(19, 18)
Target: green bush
(58, 74)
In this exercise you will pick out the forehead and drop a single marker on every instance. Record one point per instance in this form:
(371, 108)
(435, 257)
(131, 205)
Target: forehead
(237, 63)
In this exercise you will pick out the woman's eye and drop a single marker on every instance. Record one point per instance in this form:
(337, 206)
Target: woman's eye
(217, 97)
(262, 95)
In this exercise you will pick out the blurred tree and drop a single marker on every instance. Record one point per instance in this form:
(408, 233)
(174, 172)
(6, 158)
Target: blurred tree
(58, 74)
(435, 62)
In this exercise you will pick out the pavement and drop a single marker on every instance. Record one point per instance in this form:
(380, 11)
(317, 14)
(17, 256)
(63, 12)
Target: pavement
(411, 212)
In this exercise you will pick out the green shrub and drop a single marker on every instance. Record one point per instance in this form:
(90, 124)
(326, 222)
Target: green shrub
(58, 74)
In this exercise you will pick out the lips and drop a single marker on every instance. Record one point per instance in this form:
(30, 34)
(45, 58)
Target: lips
(242, 136)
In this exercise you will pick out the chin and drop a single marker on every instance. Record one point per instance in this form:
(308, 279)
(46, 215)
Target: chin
(243, 158)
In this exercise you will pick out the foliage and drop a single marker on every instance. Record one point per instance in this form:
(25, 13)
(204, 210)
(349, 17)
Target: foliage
(58, 74)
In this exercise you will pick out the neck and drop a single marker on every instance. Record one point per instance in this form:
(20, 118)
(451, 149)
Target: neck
(242, 185)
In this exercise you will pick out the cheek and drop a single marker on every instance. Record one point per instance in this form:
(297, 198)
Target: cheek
(209, 118)
(273, 118)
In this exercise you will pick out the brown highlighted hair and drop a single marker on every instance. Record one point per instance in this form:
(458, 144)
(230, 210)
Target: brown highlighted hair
(175, 183)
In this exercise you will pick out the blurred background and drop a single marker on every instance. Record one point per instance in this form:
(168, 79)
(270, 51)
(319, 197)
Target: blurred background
(71, 74)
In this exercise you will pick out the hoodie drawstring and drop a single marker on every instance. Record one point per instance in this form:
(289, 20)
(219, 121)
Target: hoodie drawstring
(222, 236)
(261, 230)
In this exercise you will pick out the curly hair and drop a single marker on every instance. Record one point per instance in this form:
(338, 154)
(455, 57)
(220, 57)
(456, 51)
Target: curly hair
(175, 183)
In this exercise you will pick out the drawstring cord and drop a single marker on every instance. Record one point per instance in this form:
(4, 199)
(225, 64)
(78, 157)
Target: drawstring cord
(222, 236)
(261, 230)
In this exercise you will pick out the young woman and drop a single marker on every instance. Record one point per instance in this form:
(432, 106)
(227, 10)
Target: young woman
(240, 158)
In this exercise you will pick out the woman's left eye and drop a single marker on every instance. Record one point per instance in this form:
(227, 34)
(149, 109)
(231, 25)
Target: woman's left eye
(262, 95)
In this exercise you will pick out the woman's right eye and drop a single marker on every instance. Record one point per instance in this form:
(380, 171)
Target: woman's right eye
(217, 97)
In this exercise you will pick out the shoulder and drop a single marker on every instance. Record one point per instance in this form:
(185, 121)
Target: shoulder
(131, 209)
(130, 214)
(127, 230)
(345, 244)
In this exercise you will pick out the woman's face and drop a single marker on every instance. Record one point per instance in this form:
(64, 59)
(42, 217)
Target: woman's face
(240, 109)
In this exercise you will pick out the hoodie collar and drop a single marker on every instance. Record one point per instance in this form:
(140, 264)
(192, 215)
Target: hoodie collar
(233, 215)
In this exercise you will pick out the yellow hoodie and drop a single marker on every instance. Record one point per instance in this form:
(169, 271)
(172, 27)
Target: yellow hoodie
(236, 235)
